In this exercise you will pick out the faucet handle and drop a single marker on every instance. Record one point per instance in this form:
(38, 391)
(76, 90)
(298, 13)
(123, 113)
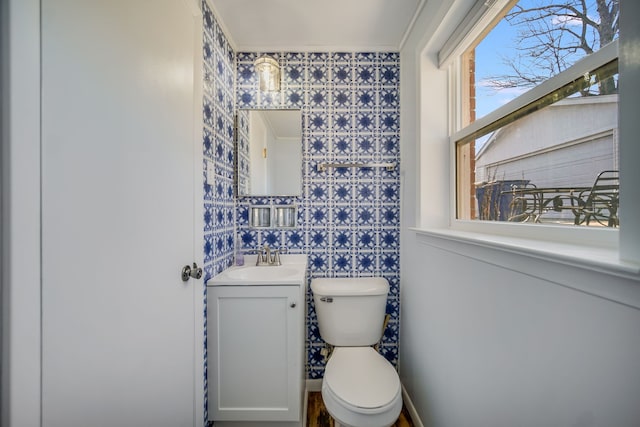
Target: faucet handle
(276, 258)
(259, 255)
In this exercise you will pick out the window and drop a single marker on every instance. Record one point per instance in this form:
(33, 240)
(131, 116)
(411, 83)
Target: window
(537, 113)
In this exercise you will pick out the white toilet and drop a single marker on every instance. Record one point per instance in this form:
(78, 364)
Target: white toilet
(360, 387)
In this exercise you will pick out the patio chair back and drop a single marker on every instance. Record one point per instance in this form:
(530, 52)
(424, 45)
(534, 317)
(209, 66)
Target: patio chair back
(600, 203)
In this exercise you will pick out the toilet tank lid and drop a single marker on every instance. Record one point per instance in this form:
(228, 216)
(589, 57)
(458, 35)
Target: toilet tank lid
(336, 286)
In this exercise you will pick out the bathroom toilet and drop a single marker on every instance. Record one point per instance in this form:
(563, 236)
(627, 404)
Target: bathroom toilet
(360, 387)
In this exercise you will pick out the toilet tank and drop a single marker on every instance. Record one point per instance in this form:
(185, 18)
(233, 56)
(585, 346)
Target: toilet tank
(350, 311)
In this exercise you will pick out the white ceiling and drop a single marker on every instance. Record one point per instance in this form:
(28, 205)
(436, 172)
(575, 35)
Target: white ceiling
(316, 25)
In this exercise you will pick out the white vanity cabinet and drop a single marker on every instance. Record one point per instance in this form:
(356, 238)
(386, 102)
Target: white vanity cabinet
(255, 346)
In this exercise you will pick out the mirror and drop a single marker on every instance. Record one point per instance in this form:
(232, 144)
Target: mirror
(269, 152)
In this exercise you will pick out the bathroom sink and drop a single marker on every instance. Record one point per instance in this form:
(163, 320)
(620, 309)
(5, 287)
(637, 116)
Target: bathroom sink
(291, 272)
(262, 273)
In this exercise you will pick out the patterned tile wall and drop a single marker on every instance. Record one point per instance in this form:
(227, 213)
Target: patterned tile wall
(218, 116)
(348, 219)
(243, 177)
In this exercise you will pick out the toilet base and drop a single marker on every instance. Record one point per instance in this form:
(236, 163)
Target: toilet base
(339, 413)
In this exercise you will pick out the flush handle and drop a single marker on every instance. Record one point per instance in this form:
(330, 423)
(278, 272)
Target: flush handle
(326, 299)
(188, 271)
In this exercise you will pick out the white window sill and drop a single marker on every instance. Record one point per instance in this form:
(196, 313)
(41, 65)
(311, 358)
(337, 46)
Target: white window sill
(589, 269)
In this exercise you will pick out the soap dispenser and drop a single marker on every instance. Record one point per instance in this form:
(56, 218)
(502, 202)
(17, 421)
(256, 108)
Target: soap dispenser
(239, 255)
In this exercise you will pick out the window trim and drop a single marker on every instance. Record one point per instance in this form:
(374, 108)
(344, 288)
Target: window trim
(474, 23)
(586, 258)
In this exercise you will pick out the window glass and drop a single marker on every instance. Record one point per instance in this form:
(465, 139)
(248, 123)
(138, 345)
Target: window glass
(540, 163)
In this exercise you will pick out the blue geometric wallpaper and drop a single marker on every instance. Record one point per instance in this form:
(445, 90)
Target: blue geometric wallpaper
(348, 219)
(218, 116)
(242, 152)
(218, 140)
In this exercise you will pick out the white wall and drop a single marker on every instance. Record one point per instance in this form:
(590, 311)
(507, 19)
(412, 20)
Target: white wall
(285, 160)
(489, 337)
(485, 345)
(258, 131)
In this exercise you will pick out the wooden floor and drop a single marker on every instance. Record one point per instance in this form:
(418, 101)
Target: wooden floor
(317, 415)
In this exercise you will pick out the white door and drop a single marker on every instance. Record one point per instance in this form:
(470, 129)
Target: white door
(118, 151)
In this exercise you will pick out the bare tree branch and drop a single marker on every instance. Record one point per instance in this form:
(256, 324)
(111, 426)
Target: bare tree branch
(552, 36)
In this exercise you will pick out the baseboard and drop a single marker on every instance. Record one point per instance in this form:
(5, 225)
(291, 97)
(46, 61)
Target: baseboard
(408, 403)
(305, 407)
(314, 385)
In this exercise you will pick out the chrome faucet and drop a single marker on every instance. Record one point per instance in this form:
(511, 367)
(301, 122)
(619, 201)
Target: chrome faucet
(268, 257)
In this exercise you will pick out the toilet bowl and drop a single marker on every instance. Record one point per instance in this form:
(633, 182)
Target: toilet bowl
(360, 387)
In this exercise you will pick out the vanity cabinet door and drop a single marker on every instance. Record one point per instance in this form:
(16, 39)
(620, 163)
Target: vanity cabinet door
(255, 353)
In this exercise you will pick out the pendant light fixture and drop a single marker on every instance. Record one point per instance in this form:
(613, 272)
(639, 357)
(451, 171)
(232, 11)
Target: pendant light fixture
(268, 71)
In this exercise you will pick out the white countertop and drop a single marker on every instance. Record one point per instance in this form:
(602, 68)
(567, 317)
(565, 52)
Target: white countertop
(292, 272)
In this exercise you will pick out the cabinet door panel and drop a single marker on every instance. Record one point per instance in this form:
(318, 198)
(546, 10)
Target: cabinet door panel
(254, 353)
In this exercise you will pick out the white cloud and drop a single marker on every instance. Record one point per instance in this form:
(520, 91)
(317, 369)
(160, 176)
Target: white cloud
(571, 21)
(566, 20)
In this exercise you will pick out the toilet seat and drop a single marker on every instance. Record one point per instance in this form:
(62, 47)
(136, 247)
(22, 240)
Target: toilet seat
(361, 388)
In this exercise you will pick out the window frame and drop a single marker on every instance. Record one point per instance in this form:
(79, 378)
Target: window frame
(477, 22)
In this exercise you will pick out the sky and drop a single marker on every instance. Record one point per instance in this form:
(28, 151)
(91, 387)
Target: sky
(489, 54)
